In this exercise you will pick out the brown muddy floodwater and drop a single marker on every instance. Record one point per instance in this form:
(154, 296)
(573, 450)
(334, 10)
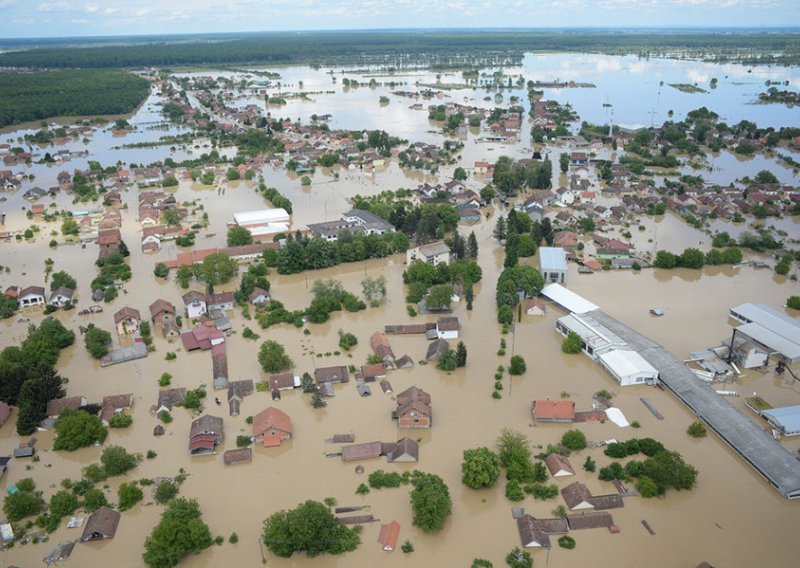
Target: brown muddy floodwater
(732, 518)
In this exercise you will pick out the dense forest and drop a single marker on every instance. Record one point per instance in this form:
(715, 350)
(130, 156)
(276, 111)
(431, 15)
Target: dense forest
(36, 96)
(436, 47)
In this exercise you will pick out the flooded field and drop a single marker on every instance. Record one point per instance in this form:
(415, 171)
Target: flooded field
(731, 519)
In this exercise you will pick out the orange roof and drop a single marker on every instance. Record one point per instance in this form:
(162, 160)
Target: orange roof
(271, 419)
(389, 535)
(554, 409)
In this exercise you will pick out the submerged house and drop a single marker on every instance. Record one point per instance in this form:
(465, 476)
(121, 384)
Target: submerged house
(205, 435)
(127, 320)
(272, 426)
(414, 409)
(101, 524)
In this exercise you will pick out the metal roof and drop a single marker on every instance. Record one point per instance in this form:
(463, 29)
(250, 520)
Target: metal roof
(568, 299)
(775, 321)
(261, 216)
(787, 418)
(773, 341)
(624, 362)
(552, 258)
(592, 332)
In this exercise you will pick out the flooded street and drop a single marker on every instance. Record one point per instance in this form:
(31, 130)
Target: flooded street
(732, 518)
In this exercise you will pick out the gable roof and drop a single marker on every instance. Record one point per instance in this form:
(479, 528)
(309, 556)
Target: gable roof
(127, 313)
(331, 374)
(556, 463)
(389, 535)
(575, 494)
(161, 306)
(553, 409)
(101, 524)
(271, 418)
(414, 399)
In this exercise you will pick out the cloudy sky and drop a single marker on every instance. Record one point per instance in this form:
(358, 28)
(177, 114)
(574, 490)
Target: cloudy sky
(47, 18)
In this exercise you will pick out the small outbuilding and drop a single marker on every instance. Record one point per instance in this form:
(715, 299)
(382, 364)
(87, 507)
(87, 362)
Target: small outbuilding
(388, 536)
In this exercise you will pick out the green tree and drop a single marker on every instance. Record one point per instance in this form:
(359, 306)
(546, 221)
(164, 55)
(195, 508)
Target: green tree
(563, 162)
(447, 361)
(572, 343)
(69, 227)
(517, 366)
(120, 420)
(61, 278)
(487, 193)
(97, 341)
(439, 297)
(22, 504)
(232, 174)
(574, 440)
(180, 532)
(481, 563)
(696, 429)
(273, 357)
(117, 461)
(459, 174)
(63, 503)
(93, 499)
(665, 259)
(311, 528)
(161, 270)
(461, 354)
(238, 236)
(692, 258)
(78, 429)
(647, 487)
(165, 492)
(519, 559)
(793, 302)
(217, 268)
(430, 502)
(667, 469)
(480, 468)
(128, 494)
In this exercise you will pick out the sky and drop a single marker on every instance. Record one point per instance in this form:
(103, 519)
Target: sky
(55, 18)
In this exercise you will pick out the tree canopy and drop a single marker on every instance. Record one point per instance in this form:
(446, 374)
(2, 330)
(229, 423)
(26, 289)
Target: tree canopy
(273, 357)
(480, 468)
(180, 532)
(309, 527)
(97, 341)
(430, 502)
(78, 429)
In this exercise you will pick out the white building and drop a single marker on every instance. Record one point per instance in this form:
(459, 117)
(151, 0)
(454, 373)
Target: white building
(195, 303)
(553, 264)
(264, 222)
(432, 253)
(354, 221)
(628, 367)
(31, 296)
(596, 339)
(61, 297)
(447, 327)
(766, 331)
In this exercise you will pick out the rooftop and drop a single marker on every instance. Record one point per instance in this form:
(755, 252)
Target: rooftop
(568, 299)
(625, 362)
(787, 418)
(552, 258)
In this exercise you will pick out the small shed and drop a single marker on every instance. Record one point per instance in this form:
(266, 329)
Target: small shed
(364, 451)
(363, 389)
(389, 535)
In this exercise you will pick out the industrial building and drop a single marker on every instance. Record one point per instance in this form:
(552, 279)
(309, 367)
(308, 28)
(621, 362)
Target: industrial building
(263, 222)
(567, 299)
(596, 339)
(628, 367)
(553, 264)
(766, 332)
(785, 419)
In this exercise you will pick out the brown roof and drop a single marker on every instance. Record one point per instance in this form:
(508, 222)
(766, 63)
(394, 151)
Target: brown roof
(389, 535)
(281, 381)
(536, 530)
(271, 418)
(612, 501)
(373, 371)
(161, 306)
(362, 451)
(416, 399)
(220, 298)
(101, 524)
(112, 402)
(127, 312)
(38, 290)
(386, 386)
(58, 405)
(108, 237)
(169, 397)
(592, 520)
(193, 295)
(436, 349)
(556, 463)
(206, 424)
(331, 374)
(553, 410)
(240, 455)
(575, 494)
(403, 447)
(447, 323)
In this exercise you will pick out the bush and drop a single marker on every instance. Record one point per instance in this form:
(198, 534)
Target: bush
(541, 491)
(78, 429)
(94, 499)
(407, 547)
(379, 479)
(128, 495)
(234, 538)
(120, 421)
(151, 454)
(273, 357)
(95, 473)
(566, 542)
(243, 441)
(613, 471)
(697, 429)
(165, 492)
(97, 341)
(362, 489)
(517, 366)
(117, 461)
(574, 440)
(347, 340)
(793, 302)
(63, 503)
(480, 468)
(481, 563)
(430, 502)
(514, 491)
(164, 380)
(519, 559)
(572, 343)
(589, 465)
(22, 504)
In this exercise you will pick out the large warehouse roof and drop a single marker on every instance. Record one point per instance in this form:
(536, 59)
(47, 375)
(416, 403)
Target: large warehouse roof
(787, 418)
(568, 299)
(623, 363)
(770, 327)
(275, 215)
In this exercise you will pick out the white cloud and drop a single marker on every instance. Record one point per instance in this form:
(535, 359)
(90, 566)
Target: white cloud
(55, 7)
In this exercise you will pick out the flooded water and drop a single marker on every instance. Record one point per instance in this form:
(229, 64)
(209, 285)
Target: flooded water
(720, 521)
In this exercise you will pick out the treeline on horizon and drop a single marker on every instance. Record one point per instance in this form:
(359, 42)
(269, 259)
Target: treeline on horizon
(328, 47)
(37, 96)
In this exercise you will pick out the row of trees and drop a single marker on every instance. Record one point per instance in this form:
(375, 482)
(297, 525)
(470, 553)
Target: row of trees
(510, 175)
(695, 258)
